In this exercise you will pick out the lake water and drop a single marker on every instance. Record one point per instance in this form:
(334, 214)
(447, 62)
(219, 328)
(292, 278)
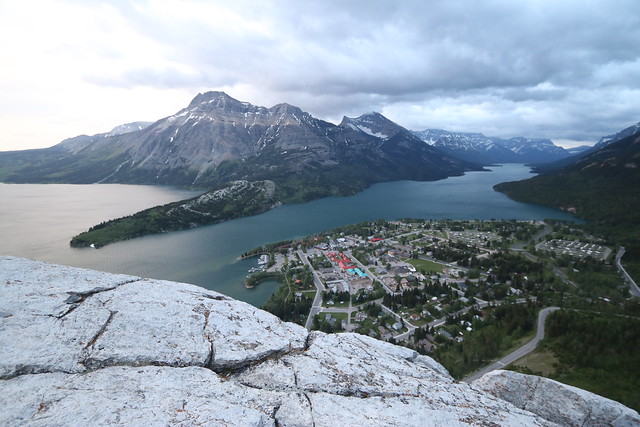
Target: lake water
(38, 220)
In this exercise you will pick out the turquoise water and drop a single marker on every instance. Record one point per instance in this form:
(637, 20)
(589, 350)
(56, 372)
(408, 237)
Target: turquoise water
(37, 221)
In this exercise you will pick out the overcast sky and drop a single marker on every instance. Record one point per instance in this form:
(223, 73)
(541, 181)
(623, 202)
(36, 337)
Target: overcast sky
(565, 70)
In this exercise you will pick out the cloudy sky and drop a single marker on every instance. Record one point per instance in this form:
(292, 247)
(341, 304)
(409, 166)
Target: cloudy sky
(566, 70)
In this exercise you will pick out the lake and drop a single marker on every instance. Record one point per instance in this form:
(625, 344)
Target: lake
(38, 221)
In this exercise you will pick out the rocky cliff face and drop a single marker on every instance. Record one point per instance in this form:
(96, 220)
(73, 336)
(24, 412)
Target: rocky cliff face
(81, 347)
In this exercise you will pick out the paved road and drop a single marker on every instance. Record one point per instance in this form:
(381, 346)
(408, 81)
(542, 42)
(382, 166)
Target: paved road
(410, 328)
(518, 353)
(317, 301)
(633, 287)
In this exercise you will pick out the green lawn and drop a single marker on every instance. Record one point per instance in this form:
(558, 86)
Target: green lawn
(423, 264)
(540, 362)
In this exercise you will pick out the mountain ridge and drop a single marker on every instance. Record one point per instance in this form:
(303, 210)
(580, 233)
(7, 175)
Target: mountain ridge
(489, 150)
(217, 138)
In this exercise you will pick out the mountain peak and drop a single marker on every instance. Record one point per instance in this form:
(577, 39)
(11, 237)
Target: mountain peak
(214, 99)
(368, 117)
(286, 108)
(374, 124)
(372, 114)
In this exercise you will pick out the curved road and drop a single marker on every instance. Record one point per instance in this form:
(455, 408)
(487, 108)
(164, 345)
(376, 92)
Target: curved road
(518, 353)
(633, 287)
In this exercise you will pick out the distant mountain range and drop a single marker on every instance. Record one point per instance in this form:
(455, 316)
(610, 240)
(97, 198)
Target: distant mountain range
(487, 150)
(218, 139)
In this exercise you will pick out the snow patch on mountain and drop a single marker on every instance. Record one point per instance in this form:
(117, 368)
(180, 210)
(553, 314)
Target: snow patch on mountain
(480, 148)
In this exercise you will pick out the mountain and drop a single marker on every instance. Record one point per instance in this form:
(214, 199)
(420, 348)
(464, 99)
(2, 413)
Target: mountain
(476, 147)
(469, 146)
(610, 139)
(217, 139)
(401, 144)
(534, 150)
(601, 186)
(128, 128)
(82, 347)
(73, 145)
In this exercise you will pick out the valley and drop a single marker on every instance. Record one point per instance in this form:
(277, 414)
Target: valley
(320, 213)
(464, 291)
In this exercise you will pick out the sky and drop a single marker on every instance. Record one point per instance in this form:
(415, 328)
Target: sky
(565, 70)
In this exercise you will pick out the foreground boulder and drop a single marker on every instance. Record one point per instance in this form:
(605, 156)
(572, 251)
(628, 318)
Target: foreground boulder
(80, 347)
(557, 402)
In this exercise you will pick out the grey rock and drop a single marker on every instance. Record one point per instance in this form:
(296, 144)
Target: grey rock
(126, 320)
(134, 396)
(557, 402)
(80, 347)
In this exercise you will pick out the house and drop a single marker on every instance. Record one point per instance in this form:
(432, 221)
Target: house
(360, 283)
(514, 291)
(390, 282)
(400, 270)
(445, 334)
(360, 316)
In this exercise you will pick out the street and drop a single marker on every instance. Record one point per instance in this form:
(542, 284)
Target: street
(518, 353)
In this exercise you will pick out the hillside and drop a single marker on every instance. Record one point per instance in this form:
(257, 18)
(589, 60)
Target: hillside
(217, 139)
(602, 186)
(90, 348)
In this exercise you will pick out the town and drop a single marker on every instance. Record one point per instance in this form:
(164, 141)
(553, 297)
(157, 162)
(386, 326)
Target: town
(432, 285)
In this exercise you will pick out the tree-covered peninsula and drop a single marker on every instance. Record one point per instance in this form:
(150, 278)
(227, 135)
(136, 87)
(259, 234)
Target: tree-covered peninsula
(237, 199)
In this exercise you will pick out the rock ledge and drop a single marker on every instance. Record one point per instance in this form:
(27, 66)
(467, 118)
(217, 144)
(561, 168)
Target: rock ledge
(80, 347)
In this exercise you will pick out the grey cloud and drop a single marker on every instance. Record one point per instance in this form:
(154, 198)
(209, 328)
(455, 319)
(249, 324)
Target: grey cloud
(528, 64)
